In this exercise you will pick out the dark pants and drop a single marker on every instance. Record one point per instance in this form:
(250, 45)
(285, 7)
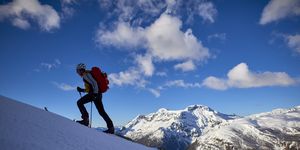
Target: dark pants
(98, 103)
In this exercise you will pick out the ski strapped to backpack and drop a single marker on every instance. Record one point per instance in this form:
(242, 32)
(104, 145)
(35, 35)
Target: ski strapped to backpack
(101, 78)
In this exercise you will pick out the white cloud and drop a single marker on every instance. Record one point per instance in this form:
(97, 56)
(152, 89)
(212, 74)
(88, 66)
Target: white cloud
(57, 61)
(21, 23)
(123, 36)
(105, 4)
(151, 6)
(170, 3)
(207, 11)
(181, 83)
(163, 41)
(293, 41)
(68, 1)
(134, 11)
(155, 92)
(21, 12)
(146, 65)
(64, 86)
(67, 8)
(220, 36)
(190, 8)
(279, 9)
(186, 66)
(50, 66)
(215, 83)
(241, 77)
(167, 42)
(161, 74)
(130, 77)
(142, 11)
(126, 9)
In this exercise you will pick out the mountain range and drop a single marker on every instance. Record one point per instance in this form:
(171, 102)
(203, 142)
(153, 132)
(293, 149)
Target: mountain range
(200, 127)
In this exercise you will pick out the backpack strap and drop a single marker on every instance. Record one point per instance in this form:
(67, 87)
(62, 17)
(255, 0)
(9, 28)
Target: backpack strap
(91, 81)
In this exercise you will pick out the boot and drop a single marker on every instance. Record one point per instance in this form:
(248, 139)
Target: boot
(84, 122)
(110, 130)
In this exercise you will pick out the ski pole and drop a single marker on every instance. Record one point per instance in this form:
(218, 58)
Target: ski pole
(91, 114)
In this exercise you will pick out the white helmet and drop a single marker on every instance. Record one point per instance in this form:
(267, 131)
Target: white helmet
(81, 66)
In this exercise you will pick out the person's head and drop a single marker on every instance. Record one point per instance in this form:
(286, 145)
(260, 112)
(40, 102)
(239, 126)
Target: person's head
(80, 69)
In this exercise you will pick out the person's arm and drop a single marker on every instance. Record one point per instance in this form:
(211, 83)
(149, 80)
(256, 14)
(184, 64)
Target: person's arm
(79, 89)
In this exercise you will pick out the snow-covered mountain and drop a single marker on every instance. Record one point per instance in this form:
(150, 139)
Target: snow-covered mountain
(23, 127)
(177, 129)
(200, 127)
(279, 129)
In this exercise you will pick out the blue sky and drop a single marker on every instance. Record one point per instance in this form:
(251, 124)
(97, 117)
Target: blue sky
(239, 57)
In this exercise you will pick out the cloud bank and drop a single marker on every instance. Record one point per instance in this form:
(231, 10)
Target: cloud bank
(279, 9)
(293, 42)
(22, 13)
(163, 40)
(241, 77)
(152, 32)
(64, 86)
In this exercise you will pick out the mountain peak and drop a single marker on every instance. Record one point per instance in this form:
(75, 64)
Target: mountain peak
(162, 110)
(182, 125)
(197, 106)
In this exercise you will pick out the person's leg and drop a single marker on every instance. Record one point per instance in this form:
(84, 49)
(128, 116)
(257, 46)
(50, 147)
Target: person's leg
(100, 108)
(80, 103)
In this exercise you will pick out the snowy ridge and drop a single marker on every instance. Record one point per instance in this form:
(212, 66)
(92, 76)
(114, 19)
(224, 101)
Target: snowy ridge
(24, 127)
(200, 127)
(175, 129)
(279, 129)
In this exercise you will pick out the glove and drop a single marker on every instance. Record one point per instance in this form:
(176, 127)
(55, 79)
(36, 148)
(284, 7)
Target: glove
(80, 89)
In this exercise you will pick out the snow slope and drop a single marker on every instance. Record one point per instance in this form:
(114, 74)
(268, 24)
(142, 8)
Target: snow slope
(23, 127)
(176, 129)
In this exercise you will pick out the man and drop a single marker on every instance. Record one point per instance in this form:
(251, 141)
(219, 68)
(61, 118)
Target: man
(93, 94)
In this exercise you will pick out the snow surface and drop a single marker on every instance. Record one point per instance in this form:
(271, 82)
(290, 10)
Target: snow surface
(24, 127)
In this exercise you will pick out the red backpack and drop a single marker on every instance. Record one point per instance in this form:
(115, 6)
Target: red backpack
(101, 78)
